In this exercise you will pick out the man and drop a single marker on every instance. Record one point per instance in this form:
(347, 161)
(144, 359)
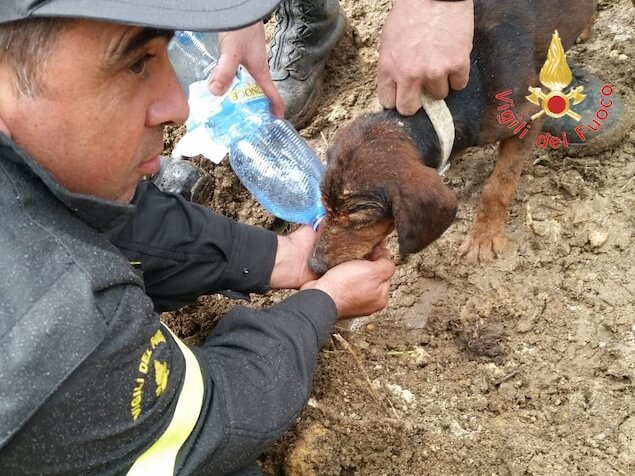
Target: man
(425, 45)
(91, 381)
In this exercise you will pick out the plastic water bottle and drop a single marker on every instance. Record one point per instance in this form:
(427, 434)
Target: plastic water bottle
(267, 154)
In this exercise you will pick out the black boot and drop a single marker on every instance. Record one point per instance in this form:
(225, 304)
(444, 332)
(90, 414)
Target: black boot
(306, 31)
(184, 178)
(604, 117)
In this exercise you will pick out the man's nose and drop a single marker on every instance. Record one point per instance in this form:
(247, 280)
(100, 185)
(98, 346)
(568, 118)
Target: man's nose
(170, 106)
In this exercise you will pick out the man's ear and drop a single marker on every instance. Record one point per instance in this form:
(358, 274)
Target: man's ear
(423, 208)
(4, 129)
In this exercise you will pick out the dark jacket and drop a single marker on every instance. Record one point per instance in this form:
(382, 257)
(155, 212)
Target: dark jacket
(80, 337)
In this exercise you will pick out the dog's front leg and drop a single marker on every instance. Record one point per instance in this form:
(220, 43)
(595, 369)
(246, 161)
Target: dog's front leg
(486, 238)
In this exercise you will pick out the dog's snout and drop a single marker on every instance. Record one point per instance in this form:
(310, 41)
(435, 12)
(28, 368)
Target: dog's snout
(317, 265)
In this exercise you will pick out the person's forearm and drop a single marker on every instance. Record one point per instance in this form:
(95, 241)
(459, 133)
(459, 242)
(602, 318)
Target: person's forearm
(291, 268)
(262, 364)
(185, 250)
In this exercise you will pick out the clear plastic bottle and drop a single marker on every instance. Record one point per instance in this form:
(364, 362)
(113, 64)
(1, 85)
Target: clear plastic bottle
(267, 154)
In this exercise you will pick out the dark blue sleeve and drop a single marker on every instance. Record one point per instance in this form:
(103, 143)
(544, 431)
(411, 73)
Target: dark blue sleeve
(261, 363)
(185, 250)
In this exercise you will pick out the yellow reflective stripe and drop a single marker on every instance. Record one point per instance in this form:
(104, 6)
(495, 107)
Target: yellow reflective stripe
(160, 458)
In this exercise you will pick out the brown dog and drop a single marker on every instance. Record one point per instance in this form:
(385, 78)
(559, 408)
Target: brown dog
(381, 169)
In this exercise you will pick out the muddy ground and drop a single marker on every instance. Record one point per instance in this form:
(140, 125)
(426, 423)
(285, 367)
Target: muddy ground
(523, 366)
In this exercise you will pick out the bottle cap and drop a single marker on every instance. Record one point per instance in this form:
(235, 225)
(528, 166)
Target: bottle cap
(315, 223)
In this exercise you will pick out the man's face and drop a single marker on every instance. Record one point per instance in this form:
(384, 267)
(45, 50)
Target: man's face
(96, 125)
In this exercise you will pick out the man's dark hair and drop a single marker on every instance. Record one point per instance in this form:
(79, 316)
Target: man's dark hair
(24, 46)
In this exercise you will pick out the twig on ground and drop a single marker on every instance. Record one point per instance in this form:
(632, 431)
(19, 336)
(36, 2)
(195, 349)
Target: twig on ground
(326, 143)
(627, 183)
(358, 362)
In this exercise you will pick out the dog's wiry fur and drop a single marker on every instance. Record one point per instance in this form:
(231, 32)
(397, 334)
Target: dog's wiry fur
(381, 170)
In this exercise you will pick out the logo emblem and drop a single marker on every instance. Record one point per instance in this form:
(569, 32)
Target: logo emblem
(555, 75)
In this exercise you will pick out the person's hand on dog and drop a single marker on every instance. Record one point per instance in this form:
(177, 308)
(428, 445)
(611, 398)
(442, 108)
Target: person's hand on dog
(425, 45)
(358, 287)
(247, 47)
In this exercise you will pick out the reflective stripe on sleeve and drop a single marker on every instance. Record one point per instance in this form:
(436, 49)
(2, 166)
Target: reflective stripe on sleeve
(160, 458)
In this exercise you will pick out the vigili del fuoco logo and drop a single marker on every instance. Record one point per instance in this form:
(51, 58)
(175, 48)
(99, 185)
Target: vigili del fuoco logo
(557, 101)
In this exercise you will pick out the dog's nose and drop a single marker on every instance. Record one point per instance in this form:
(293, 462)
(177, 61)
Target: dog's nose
(317, 265)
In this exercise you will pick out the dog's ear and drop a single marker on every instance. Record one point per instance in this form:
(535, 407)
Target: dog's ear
(423, 208)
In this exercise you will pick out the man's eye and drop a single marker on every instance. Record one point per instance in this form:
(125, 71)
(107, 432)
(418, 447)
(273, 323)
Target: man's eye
(139, 66)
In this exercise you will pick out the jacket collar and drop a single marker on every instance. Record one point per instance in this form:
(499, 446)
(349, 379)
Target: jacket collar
(99, 214)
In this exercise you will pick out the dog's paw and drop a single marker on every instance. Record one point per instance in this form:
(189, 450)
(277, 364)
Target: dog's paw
(482, 245)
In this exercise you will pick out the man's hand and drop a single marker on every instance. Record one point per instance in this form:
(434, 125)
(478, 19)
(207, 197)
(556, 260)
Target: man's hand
(247, 47)
(358, 287)
(425, 45)
(291, 269)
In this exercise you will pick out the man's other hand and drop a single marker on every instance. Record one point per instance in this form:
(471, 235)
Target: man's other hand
(425, 46)
(247, 47)
(358, 287)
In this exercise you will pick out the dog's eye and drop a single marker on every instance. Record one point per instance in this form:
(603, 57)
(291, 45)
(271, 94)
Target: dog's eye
(364, 211)
(360, 220)
(368, 208)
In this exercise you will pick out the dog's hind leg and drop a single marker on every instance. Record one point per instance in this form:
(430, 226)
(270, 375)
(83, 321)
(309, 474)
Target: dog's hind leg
(486, 238)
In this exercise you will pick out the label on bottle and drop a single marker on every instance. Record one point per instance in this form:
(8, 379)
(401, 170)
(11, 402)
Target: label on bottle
(247, 92)
(237, 113)
(241, 109)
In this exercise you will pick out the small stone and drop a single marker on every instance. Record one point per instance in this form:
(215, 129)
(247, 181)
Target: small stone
(420, 357)
(400, 392)
(525, 324)
(507, 390)
(480, 386)
(597, 238)
(362, 344)
(550, 230)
